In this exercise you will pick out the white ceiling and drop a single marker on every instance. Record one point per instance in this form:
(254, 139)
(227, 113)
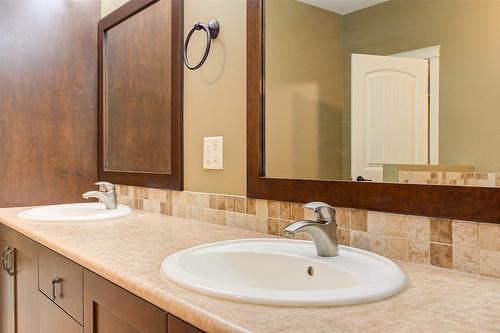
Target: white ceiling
(342, 7)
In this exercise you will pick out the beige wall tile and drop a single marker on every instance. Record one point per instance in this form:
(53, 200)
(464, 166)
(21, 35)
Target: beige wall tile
(377, 243)
(281, 225)
(230, 203)
(441, 255)
(344, 237)
(418, 228)
(343, 217)
(138, 204)
(220, 217)
(168, 196)
(179, 198)
(272, 226)
(418, 252)
(156, 194)
(466, 259)
(297, 211)
(396, 225)
(376, 222)
(230, 219)
(359, 239)
(273, 208)
(166, 208)
(141, 193)
(285, 210)
(441, 231)
(240, 220)
(261, 208)
(212, 201)
(250, 206)
(221, 202)
(465, 233)
(151, 205)
(240, 204)
(489, 237)
(397, 248)
(252, 223)
(359, 220)
(489, 263)
(309, 214)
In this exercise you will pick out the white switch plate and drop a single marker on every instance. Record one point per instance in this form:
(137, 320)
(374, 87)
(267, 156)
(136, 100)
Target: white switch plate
(212, 152)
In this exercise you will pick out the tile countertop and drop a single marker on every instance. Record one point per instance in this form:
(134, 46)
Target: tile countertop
(129, 252)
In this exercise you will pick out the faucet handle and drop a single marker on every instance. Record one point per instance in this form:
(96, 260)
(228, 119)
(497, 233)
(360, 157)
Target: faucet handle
(324, 212)
(107, 185)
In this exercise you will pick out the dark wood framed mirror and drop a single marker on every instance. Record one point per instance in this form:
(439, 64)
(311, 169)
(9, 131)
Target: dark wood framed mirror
(447, 201)
(140, 94)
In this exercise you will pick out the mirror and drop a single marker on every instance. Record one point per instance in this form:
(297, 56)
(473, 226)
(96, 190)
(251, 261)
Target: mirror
(388, 91)
(140, 94)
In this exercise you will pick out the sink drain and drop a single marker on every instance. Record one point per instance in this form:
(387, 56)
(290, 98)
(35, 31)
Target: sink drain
(310, 271)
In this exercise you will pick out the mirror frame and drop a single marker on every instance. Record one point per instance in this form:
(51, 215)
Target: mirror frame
(173, 180)
(480, 204)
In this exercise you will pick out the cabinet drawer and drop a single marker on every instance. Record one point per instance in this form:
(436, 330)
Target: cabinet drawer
(51, 319)
(61, 280)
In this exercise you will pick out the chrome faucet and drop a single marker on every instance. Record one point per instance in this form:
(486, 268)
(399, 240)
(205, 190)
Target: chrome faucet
(108, 198)
(323, 231)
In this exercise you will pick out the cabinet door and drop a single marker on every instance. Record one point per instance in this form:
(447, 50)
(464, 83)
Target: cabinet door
(6, 288)
(25, 283)
(53, 319)
(109, 308)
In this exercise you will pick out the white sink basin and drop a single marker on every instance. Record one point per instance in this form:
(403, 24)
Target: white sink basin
(283, 272)
(74, 212)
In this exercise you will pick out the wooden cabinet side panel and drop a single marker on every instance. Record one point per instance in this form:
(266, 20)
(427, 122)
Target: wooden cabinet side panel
(176, 325)
(7, 305)
(109, 308)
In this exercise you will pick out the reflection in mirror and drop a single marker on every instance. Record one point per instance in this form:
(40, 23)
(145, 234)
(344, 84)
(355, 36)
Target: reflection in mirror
(393, 91)
(137, 112)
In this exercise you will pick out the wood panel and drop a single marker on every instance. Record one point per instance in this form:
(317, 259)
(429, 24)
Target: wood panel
(175, 325)
(456, 202)
(48, 100)
(140, 94)
(7, 304)
(69, 292)
(109, 308)
(53, 319)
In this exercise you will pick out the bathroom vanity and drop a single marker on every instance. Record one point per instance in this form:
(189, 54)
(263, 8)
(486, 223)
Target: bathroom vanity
(111, 281)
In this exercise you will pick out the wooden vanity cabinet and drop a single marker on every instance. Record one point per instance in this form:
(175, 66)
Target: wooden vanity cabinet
(18, 283)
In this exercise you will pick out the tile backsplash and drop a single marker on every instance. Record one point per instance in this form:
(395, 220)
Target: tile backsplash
(465, 246)
(481, 179)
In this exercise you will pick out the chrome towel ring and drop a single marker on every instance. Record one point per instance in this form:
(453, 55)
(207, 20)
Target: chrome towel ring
(212, 31)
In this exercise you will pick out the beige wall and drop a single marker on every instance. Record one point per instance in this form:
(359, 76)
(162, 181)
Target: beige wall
(304, 100)
(214, 96)
(469, 34)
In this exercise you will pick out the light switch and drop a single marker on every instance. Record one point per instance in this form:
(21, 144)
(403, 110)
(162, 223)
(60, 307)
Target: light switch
(212, 152)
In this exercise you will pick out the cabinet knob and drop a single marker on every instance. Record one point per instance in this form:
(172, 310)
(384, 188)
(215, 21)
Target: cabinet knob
(55, 281)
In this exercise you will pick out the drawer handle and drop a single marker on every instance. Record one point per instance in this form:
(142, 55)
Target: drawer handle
(56, 281)
(7, 252)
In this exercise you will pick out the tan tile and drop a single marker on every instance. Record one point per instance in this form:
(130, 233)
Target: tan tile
(252, 223)
(193, 213)
(344, 237)
(179, 198)
(262, 224)
(273, 208)
(168, 196)
(240, 221)
(141, 193)
(151, 205)
(178, 210)
(466, 259)
(272, 226)
(489, 237)
(205, 200)
(377, 244)
(190, 199)
(240, 204)
(441, 231)
(212, 201)
(220, 217)
(359, 239)
(376, 222)
(166, 208)
(465, 233)
(309, 214)
(230, 219)
(343, 217)
(250, 206)
(285, 210)
(138, 204)
(127, 201)
(297, 211)
(396, 225)
(230, 203)
(359, 220)
(489, 263)
(397, 248)
(122, 190)
(419, 228)
(418, 252)
(221, 202)
(281, 225)
(441, 255)
(156, 194)
(261, 208)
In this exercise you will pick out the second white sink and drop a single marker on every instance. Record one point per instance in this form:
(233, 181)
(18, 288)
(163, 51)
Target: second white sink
(74, 212)
(283, 272)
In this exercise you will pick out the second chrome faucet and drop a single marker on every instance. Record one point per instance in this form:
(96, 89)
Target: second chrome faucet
(323, 230)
